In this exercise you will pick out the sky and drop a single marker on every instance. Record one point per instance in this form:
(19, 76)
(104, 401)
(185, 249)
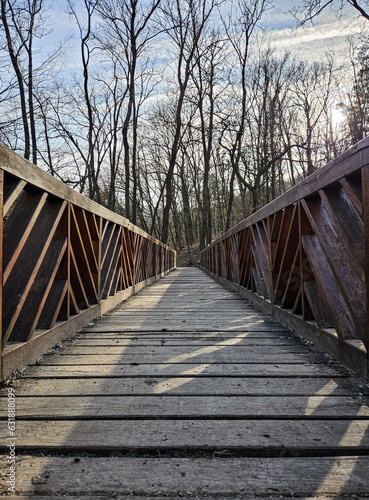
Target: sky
(313, 42)
(310, 42)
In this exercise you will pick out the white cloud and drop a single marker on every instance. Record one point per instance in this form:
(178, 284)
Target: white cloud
(313, 42)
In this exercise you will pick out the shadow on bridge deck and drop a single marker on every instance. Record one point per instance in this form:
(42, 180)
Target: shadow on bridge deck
(186, 390)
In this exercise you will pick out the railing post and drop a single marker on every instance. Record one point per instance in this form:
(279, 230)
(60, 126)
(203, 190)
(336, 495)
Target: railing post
(99, 255)
(270, 258)
(64, 231)
(365, 189)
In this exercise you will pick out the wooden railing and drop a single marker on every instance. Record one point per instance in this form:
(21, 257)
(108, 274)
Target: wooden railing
(304, 258)
(66, 260)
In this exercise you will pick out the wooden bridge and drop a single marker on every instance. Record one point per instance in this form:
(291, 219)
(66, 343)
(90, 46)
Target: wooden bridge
(186, 389)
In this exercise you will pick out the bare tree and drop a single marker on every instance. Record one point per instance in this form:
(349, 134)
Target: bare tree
(311, 9)
(261, 164)
(184, 21)
(240, 29)
(312, 87)
(86, 34)
(20, 23)
(355, 101)
(128, 33)
(208, 87)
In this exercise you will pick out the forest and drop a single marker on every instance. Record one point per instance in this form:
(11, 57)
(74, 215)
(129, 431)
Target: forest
(179, 114)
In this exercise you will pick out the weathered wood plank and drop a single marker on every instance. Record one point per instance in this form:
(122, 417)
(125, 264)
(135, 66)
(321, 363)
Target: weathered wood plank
(353, 188)
(317, 305)
(290, 251)
(12, 189)
(349, 222)
(300, 409)
(201, 318)
(35, 301)
(18, 227)
(180, 338)
(67, 497)
(211, 357)
(174, 370)
(185, 352)
(183, 326)
(177, 337)
(26, 267)
(87, 232)
(110, 258)
(346, 274)
(202, 303)
(177, 342)
(299, 436)
(333, 298)
(54, 304)
(365, 199)
(83, 264)
(213, 477)
(188, 383)
(183, 307)
(76, 283)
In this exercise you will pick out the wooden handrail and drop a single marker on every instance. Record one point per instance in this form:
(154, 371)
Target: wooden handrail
(304, 258)
(65, 259)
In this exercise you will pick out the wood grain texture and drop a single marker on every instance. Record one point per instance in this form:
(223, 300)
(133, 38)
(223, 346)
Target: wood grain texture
(203, 358)
(28, 320)
(149, 477)
(185, 407)
(207, 413)
(253, 436)
(111, 371)
(345, 273)
(25, 270)
(185, 383)
(337, 306)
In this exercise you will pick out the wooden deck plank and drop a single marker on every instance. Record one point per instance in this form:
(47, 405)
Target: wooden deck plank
(155, 342)
(165, 405)
(174, 326)
(188, 383)
(174, 370)
(153, 477)
(232, 349)
(197, 477)
(193, 336)
(212, 357)
(253, 436)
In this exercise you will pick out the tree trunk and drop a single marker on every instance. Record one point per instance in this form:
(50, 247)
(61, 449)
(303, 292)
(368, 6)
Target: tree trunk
(18, 73)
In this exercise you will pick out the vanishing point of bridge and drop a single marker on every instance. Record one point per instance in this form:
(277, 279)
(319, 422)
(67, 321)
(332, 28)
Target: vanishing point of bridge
(185, 389)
